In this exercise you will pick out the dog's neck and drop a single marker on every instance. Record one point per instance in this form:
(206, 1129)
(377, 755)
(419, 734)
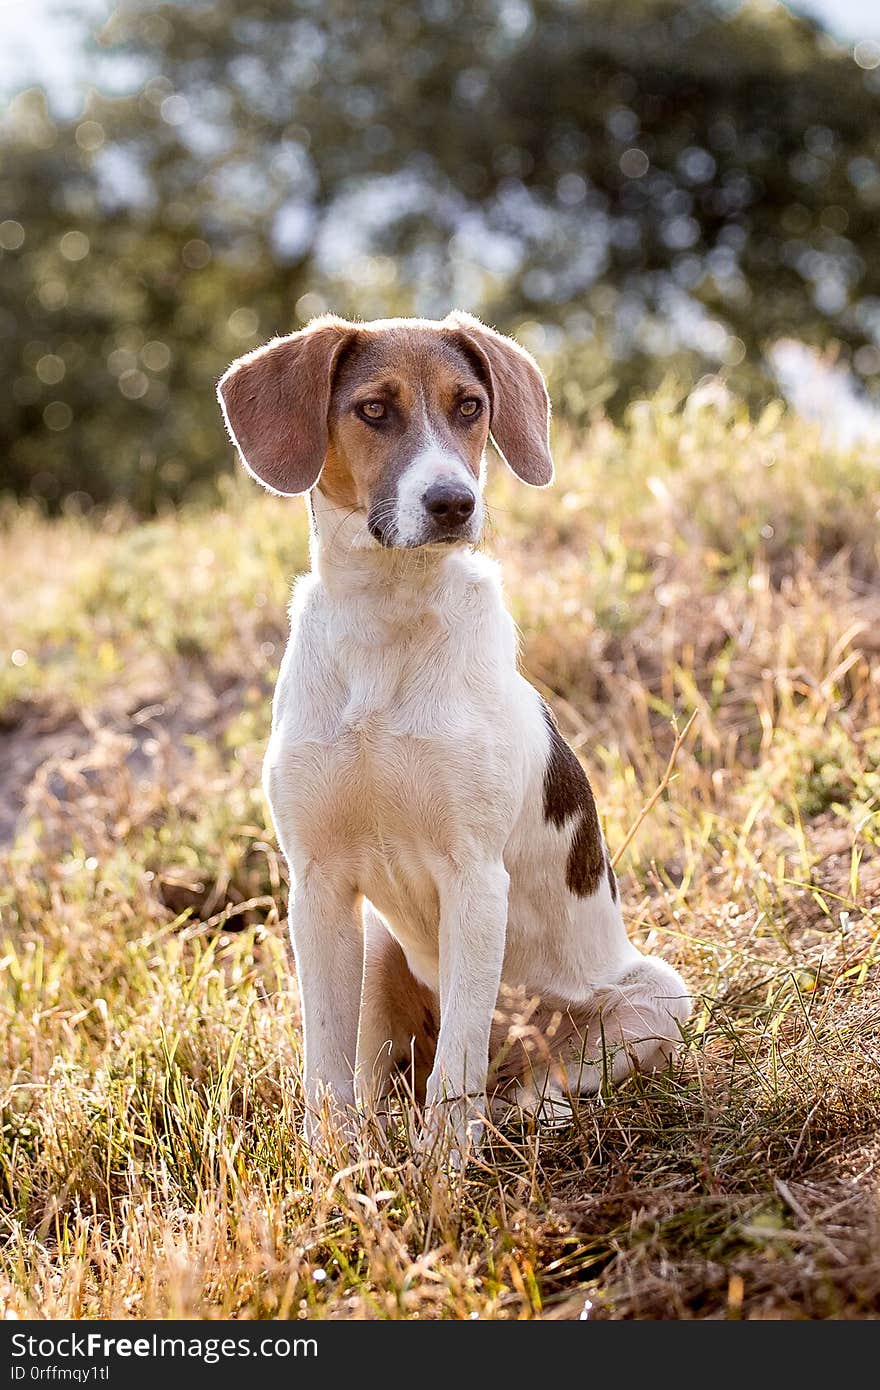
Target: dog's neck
(352, 566)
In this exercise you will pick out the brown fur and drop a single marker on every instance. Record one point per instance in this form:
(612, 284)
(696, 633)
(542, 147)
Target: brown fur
(409, 1010)
(568, 796)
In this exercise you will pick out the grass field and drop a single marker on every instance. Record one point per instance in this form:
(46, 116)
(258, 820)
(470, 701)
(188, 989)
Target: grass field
(689, 562)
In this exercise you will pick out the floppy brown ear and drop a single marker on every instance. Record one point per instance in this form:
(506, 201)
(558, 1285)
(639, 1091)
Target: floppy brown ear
(275, 402)
(520, 426)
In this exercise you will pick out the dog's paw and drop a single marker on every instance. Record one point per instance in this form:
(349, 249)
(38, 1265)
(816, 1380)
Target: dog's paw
(333, 1128)
(452, 1132)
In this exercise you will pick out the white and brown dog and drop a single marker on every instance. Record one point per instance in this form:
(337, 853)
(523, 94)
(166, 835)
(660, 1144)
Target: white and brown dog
(453, 908)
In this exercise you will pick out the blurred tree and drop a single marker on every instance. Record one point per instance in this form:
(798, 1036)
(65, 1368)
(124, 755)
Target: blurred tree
(633, 185)
(117, 315)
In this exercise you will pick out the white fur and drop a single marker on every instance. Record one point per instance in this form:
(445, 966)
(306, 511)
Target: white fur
(432, 465)
(406, 768)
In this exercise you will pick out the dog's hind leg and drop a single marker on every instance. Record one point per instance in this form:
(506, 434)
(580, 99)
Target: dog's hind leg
(398, 1019)
(633, 1023)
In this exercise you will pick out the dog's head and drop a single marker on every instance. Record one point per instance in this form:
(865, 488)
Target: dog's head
(391, 419)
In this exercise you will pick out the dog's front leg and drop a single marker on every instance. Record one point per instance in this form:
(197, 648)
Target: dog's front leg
(473, 926)
(327, 937)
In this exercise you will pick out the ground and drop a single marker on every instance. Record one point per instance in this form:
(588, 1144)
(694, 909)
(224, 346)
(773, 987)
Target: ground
(689, 561)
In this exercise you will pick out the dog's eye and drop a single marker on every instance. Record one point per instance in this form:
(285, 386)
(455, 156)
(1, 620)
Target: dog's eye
(372, 410)
(470, 408)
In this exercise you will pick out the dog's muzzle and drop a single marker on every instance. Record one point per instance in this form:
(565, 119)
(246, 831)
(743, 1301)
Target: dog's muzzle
(449, 507)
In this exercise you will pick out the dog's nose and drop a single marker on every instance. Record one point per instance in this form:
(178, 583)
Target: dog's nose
(451, 503)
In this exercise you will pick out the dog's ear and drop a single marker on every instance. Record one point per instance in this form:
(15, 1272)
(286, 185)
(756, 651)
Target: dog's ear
(276, 400)
(520, 425)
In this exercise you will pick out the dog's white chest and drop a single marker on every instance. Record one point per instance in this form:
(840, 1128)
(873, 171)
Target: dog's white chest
(381, 687)
(398, 750)
(382, 806)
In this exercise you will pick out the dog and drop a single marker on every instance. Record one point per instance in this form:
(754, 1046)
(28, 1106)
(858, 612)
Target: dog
(452, 901)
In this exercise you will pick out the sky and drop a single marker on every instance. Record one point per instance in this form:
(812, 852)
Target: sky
(849, 19)
(41, 40)
(41, 44)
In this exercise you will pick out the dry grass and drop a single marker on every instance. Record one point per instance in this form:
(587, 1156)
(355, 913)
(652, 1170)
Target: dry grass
(149, 1158)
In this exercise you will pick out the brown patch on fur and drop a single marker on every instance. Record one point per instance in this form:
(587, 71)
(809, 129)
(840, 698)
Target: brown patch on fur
(337, 482)
(411, 1012)
(569, 796)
